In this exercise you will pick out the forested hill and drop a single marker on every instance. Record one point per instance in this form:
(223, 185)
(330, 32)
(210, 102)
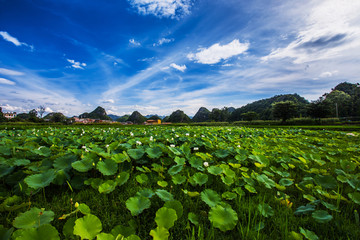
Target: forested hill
(263, 107)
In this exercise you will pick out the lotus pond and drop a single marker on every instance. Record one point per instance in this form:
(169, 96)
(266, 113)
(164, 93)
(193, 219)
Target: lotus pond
(179, 183)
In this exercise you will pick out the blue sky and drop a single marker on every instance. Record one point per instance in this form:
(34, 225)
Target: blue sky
(157, 56)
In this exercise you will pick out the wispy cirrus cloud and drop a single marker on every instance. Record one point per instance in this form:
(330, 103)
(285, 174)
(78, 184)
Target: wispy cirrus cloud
(7, 37)
(6, 81)
(162, 8)
(217, 52)
(10, 72)
(134, 43)
(77, 65)
(181, 68)
(163, 41)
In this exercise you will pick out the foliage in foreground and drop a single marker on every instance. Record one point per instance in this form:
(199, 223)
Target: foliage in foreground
(179, 183)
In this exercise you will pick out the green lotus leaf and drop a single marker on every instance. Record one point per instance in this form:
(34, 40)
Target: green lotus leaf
(210, 197)
(285, 182)
(136, 153)
(229, 195)
(120, 157)
(223, 217)
(142, 178)
(5, 234)
(196, 163)
(20, 162)
(154, 152)
(347, 166)
(42, 151)
(45, 231)
(265, 210)
(179, 161)
(305, 209)
(354, 183)
(295, 236)
(355, 197)
(175, 151)
(227, 180)
(93, 182)
(200, 178)
(88, 227)
(269, 183)
(176, 205)
(160, 233)
(330, 206)
(107, 186)
(308, 234)
(229, 173)
(193, 218)
(165, 217)
(61, 177)
(261, 159)
(137, 204)
(107, 167)
(222, 153)
(5, 170)
(164, 195)
(321, 216)
(250, 188)
(84, 165)
(146, 192)
(35, 217)
(214, 170)
(123, 231)
(122, 178)
(328, 182)
(239, 191)
(175, 169)
(64, 162)
(178, 179)
(84, 209)
(162, 183)
(105, 236)
(68, 229)
(133, 237)
(40, 180)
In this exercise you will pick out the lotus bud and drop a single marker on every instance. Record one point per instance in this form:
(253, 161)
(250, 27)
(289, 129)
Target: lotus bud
(76, 205)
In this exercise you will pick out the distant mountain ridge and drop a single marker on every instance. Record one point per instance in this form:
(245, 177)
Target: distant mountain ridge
(98, 113)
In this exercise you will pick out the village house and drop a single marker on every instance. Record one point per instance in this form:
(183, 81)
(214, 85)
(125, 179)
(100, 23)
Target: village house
(152, 122)
(10, 115)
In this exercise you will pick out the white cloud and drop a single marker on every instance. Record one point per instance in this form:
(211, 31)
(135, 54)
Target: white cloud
(134, 42)
(217, 52)
(6, 81)
(162, 41)
(9, 72)
(49, 110)
(162, 8)
(178, 67)
(329, 30)
(75, 64)
(9, 38)
(109, 101)
(328, 74)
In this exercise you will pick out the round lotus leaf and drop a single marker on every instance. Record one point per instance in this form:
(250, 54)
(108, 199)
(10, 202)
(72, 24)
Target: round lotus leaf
(136, 153)
(46, 231)
(229, 195)
(308, 234)
(40, 180)
(105, 236)
(84, 209)
(193, 218)
(178, 179)
(160, 233)
(347, 166)
(122, 178)
(355, 196)
(146, 192)
(326, 181)
(179, 161)
(64, 162)
(305, 209)
(321, 216)
(35, 217)
(142, 178)
(175, 169)
(137, 205)
(215, 170)
(162, 183)
(164, 195)
(68, 229)
(222, 153)
(107, 167)
(88, 227)
(265, 210)
(165, 217)
(107, 186)
(133, 237)
(200, 178)
(210, 197)
(223, 217)
(84, 165)
(285, 182)
(123, 231)
(176, 205)
(21, 162)
(154, 152)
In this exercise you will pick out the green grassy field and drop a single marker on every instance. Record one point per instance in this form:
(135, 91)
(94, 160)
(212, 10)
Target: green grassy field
(182, 182)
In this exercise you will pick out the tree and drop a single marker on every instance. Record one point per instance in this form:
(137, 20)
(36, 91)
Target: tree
(340, 103)
(2, 118)
(249, 116)
(33, 115)
(318, 109)
(284, 110)
(41, 110)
